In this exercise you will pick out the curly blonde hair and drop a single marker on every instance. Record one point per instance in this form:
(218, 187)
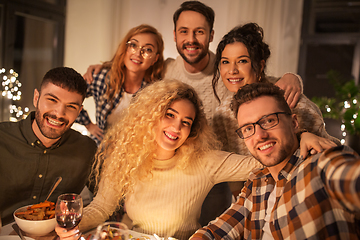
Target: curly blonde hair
(117, 65)
(126, 153)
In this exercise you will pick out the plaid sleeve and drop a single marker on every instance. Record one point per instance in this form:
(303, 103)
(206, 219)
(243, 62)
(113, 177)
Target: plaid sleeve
(96, 89)
(233, 223)
(340, 172)
(83, 118)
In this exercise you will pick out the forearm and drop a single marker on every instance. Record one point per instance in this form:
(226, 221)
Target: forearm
(83, 118)
(224, 167)
(230, 225)
(310, 119)
(300, 81)
(340, 171)
(99, 210)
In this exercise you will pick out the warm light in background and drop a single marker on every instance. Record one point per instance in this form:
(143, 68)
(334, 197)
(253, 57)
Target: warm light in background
(11, 90)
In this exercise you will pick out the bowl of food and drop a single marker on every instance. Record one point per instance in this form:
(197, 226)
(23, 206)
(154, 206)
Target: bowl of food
(36, 220)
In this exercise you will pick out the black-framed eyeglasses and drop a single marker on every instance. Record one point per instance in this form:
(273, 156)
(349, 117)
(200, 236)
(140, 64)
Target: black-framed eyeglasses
(146, 51)
(266, 122)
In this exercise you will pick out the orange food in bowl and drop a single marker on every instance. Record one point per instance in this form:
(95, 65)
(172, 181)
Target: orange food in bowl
(34, 226)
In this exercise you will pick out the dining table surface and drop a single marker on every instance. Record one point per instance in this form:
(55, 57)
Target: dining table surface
(7, 230)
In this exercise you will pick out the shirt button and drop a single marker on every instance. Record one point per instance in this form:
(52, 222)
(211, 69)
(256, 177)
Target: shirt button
(34, 197)
(40, 175)
(44, 151)
(32, 144)
(38, 142)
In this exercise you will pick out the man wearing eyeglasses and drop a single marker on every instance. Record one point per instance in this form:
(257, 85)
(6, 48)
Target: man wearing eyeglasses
(292, 197)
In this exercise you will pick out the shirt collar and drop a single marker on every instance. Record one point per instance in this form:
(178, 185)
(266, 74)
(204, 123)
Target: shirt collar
(294, 161)
(31, 138)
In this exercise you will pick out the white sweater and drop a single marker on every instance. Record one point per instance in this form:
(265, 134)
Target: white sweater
(170, 203)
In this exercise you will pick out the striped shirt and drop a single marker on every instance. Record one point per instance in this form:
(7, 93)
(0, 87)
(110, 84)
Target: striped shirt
(316, 198)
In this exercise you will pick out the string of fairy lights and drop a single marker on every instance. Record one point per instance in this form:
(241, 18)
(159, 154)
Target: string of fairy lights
(347, 104)
(11, 90)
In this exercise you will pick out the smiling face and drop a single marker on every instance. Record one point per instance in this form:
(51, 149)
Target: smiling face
(56, 110)
(174, 128)
(134, 61)
(235, 67)
(192, 36)
(274, 145)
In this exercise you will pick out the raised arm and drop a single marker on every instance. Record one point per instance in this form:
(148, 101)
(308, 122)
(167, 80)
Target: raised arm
(340, 171)
(292, 85)
(310, 143)
(92, 69)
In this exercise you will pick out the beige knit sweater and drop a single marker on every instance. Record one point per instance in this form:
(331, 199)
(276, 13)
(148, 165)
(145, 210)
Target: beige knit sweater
(169, 204)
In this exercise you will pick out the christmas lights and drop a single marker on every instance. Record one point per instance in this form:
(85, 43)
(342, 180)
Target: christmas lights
(11, 90)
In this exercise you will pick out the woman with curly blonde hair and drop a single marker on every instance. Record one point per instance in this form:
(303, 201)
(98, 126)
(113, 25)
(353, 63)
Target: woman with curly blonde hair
(160, 158)
(138, 60)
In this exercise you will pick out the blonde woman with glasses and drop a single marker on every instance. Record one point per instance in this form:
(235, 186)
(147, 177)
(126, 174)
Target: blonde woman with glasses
(138, 61)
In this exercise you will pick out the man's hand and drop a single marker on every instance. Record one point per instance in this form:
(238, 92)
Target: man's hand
(95, 130)
(310, 143)
(290, 83)
(92, 69)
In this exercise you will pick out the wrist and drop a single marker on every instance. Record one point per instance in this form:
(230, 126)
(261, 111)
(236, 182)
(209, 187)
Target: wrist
(299, 80)
(300, 132)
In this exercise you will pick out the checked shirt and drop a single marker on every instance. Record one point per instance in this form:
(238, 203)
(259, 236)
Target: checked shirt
(97, 90)
(315, 199)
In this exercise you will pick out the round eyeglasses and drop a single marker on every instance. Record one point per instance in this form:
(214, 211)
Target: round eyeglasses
(266, 122)
(146, 51)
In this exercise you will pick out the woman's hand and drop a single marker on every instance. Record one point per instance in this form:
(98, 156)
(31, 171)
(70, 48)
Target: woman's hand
(310, 143)
(95, 130)
(73, 234)
(290, 83)
(92, 69)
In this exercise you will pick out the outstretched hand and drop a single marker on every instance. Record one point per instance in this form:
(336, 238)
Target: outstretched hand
(92, 69)
(310, 143)
(291, 85)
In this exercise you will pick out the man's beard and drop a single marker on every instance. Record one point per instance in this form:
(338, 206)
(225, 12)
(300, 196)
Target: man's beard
(204, 51)
(47, 131)
(283, 153)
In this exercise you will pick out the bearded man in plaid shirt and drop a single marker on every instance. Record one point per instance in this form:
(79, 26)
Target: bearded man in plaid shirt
(291, 198)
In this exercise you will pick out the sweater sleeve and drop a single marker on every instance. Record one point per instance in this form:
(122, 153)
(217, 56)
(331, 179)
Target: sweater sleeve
(275, 79)
(99, 210)
(310, 118)
(227, 167)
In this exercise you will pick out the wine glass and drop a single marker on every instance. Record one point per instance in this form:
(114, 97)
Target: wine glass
(111, 231)
(68, 210)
